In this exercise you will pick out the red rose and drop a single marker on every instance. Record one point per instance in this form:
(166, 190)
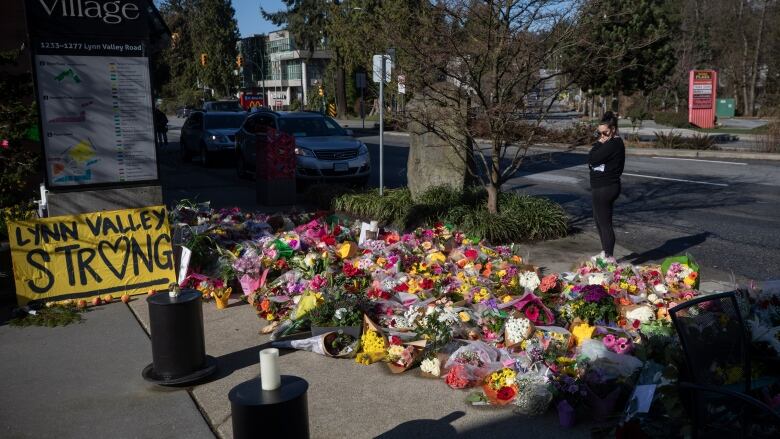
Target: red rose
(395, 340)
(636, 324)
(329, 240)
(532, 312)
(471, 254)
(426, 284)
(402, 288)
(337, 229)
(506, 393)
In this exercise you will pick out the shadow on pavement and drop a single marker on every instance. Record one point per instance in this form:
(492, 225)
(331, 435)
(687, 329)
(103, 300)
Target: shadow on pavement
(671, 247)
(229, 363)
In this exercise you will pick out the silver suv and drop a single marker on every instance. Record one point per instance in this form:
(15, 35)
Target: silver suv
(324, 150)
(208, 134)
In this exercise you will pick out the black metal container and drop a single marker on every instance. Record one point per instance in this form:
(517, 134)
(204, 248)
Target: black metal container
(259, 413)
(178, 345)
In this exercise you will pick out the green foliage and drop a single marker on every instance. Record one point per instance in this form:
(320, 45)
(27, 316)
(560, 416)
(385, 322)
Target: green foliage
(56, 315)
(215, 29)
(339, 309)
(672, 119)
(520, 217)
(627, 46)
(18, 123)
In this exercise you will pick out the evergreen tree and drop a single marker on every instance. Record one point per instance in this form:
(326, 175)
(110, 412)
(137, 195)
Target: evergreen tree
(633, 42)
(214, 32)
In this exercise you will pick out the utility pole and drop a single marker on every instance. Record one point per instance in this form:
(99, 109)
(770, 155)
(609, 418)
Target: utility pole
(382, 129)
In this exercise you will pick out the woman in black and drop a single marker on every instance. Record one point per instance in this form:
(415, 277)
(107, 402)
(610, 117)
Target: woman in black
(606, 160)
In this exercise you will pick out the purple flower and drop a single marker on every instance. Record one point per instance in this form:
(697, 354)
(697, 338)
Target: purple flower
(609, 341)
(594, 293)
(491, 303)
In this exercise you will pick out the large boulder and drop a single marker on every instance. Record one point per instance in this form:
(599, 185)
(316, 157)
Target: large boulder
(437, 147)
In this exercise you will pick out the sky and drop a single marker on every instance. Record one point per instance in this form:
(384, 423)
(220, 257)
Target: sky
(250, 21)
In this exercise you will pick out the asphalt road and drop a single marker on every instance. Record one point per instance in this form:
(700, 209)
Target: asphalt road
(726, 214)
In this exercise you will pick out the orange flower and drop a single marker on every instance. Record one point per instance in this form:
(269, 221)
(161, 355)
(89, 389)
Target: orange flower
(488, 270)
(265, 305)
(622, 322)
(624, 301)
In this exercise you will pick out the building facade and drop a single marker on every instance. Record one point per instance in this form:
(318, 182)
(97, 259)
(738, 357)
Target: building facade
(274, 66)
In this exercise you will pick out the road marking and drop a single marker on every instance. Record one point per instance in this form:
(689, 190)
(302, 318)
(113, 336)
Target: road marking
(698, 160)
(676, 179)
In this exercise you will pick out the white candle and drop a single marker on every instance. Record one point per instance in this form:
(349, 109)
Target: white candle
(374, 226)
(269, 369)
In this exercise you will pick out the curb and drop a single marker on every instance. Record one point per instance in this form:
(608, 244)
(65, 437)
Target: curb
(683, 153)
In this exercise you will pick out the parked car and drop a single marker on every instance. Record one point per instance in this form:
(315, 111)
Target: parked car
(208, 134)
(324, 150)
(184, 112)
(222, 106)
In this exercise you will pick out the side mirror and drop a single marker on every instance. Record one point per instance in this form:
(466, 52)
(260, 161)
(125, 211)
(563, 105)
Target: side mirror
(350, 133)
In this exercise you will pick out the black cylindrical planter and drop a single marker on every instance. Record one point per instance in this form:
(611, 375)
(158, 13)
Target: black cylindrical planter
(178, 345)
(259, 413)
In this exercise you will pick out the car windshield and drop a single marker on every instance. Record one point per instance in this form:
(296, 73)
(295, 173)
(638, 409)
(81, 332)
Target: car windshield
(311, 127)
(224, 106)
(225, 120)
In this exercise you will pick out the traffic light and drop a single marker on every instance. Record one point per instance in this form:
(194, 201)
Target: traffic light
(320, 91)
(240, 61)
(203, 59)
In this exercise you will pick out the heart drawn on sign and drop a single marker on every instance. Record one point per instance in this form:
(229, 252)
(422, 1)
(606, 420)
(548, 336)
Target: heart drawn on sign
(115, 248)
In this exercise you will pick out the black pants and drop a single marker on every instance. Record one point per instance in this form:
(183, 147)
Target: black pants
(162, 137)
(603, 205)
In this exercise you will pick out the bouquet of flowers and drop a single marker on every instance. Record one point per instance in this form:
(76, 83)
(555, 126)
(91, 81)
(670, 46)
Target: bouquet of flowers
(516, 330)
(373, 343)
(594, 305)
(500, 387)
(402, 356)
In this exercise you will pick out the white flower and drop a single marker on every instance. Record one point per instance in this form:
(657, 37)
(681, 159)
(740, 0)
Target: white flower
(644, 314)
(431, 366)
(517, 329)
(310, 259)
(660, 289)
(529, 280)
(340, 313)
(597, 279)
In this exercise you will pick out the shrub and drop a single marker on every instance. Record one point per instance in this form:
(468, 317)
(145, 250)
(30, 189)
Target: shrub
(700, 142)
(770, 140)
(672, 119)
(520, 217)
(671, 140)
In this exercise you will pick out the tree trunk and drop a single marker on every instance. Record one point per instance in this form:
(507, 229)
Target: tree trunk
(492, 201)
(741, 23)
(341, 93)
(754, 68)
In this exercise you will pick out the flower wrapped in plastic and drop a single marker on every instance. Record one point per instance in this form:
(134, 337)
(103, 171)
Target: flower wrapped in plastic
(533, 394)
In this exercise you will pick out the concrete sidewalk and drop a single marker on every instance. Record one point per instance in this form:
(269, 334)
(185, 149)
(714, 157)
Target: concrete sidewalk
(84, 380)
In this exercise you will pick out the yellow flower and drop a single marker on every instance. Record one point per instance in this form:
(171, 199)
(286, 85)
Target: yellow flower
(506, 298)
(481, 295)
(270, 317)
(464, 316)
(623, 285)
(501, 273)
(381, 261)
(582, 332)
(632, 289)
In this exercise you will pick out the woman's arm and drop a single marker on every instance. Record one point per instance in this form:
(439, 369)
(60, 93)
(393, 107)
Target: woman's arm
(600, 153)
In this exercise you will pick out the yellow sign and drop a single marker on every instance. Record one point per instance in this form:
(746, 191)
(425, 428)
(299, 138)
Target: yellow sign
(114, 252)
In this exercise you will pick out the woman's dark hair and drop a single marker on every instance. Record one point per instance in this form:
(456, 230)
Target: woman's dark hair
(609, 119)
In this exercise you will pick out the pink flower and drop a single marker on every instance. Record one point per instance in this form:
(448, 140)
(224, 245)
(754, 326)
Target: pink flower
(532, 312)
(623, 348)
(609, 341)
(4, 144)
(318, 282)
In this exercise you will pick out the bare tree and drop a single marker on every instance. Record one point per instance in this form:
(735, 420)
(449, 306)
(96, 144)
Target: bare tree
(489, 62)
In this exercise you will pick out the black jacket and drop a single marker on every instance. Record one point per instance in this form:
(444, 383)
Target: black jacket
(612, 155)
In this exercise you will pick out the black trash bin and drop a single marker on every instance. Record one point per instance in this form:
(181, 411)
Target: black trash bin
(178, 345)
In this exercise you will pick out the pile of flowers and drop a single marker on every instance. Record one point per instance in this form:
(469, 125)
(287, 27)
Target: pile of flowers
(432, 292)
